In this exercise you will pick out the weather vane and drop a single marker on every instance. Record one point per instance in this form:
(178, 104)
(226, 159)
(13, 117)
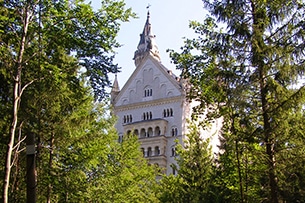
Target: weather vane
(148, 6)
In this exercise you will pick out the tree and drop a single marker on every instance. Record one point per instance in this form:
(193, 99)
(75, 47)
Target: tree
(249, 72)
(195, 166)
(124, 175)
(34, 34)
(89, 164)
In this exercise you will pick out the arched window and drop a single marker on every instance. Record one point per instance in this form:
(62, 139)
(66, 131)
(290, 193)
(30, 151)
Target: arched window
(127, 119)
(173, 151)
(174, 131)
(147, 115)
(149, 132)
(142, 133)
(143, 152)
(168, 112)
(149, 152)
(147, 92)
(157, 151)
(136, 132)
(157, 131)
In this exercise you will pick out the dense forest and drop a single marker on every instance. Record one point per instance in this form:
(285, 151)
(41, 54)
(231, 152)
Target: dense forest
(58, 141)
(247, 66)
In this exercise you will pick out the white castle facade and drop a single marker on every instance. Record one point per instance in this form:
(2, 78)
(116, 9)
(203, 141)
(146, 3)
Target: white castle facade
(152, 104)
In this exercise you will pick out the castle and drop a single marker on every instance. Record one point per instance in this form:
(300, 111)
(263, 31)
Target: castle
(152, 104)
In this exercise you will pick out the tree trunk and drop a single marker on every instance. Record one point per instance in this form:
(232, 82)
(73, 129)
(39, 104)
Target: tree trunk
(258, 47)
(17, 97)
(240, 178)
(241, 190)
(30, 169)
(10, 145)
(269, 141)
(50, 168)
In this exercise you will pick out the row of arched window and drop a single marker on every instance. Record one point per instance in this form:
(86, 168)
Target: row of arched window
(147, 116)
(151, 151)
(147, 92)
(156, 151)
(150, 132)
(127, 119)
(167, 112)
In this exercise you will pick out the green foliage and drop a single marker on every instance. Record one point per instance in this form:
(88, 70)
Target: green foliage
(170, 189)
(124, 175)
(63, 52)
(58, 28)
(88, 164)
(248, 69)
(195, 169)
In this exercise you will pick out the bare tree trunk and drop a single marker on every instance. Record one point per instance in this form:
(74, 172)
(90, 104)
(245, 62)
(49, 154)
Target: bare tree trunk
(16, 162)
(17, 96)
(10, 145)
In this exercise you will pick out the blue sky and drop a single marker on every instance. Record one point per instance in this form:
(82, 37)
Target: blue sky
(169, 19)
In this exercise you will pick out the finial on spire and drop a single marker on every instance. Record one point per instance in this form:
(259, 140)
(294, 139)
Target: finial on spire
(148, 6)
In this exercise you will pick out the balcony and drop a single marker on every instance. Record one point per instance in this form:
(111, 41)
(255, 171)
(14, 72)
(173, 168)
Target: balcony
(147, 128)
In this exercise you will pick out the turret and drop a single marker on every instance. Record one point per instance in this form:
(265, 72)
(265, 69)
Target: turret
(147, 44)
(115, 89)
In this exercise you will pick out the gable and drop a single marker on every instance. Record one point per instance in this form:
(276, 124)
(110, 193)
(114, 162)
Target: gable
(150, 81)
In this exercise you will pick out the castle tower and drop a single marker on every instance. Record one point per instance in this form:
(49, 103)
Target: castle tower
(152, 104)
(147, 44)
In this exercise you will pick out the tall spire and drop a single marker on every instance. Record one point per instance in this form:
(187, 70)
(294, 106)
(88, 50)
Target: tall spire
(147, 44)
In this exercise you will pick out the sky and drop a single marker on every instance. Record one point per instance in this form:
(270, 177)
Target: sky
(170, 23)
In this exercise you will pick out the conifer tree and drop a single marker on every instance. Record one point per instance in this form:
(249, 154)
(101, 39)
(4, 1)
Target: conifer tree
(249, 70)
(195, 168)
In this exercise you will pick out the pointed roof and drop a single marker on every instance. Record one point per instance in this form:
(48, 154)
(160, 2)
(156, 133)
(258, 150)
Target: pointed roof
(115, 87)
(147, 43)
(172, 81)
